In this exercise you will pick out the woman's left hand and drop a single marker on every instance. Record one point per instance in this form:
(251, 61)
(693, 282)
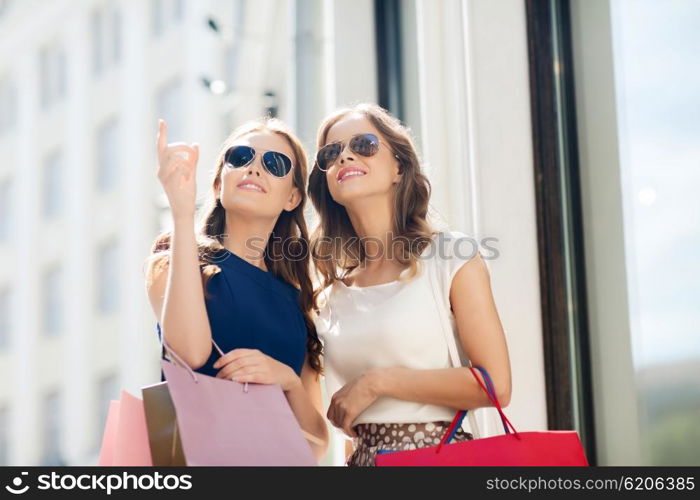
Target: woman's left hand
(251, 365)
(351, 400)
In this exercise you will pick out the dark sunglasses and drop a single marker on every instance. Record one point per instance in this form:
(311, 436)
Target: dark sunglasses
(363, 144)
(278, 164)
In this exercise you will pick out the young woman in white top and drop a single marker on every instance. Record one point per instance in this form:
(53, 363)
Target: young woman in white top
(388, 281)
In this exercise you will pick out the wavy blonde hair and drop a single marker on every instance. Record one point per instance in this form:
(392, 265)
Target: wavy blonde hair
(337, 258)
(289, 235)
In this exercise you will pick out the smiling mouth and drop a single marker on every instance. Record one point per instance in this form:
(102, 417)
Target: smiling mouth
(350, 174)
(250, 187)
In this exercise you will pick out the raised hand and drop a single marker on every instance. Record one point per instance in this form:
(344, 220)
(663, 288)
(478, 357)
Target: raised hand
(177, 167)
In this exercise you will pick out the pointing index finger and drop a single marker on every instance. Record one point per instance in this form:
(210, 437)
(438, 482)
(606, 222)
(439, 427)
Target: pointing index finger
(162, 135)
(195, 157)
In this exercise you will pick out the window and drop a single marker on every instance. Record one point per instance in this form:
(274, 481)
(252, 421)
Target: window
(116, 36)
(621, 128)
(106, 38)
(5, 318)
(165, 12)
(61, 73)
(44, 75)
(107, 390)
(53, 301)
(5, 6)
(169, 107)
(4, 436)
(654, 46)
(51, 413)
(52, 72)
(157, 17)
(5, 210)
(108, 278)
(97, 54)
(108, 154)
(8, 103)
(53, 185)
(178, 9)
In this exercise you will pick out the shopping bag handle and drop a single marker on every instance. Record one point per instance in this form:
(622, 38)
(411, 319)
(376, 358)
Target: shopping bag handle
(179, 360)
(459, 417)
(491, 391)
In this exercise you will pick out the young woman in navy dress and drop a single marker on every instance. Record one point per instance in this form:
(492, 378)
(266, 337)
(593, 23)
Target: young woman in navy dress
(242, 279)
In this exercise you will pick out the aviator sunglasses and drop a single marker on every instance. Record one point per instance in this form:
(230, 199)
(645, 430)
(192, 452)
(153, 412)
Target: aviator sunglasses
(363, 144)
(278, 164)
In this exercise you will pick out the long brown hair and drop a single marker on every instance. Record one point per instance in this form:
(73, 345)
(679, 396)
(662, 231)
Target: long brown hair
(336, 250)
(289, 235)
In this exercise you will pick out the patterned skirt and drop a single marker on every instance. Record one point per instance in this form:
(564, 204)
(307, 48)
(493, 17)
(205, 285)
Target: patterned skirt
(397, 437)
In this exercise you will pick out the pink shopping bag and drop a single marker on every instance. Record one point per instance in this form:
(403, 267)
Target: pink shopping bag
(125, 439)
(222, 422)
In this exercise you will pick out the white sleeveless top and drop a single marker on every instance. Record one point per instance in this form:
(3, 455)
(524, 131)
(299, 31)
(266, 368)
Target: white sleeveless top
(395, 324)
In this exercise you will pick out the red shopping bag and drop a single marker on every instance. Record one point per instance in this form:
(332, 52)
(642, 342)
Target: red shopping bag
(125, 438)
(541, 448)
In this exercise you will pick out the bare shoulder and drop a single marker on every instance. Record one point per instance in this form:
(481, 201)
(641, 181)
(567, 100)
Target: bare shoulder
(471, 290)
(474, 272)
(156, 282)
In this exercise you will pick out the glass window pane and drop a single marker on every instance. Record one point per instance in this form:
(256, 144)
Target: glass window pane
(52, 185)
(51, 415)
(156, 17)
(116, 35)
(44, 77)
(53, 301)
(108, 278)
(178, 9)
(96, 32)
(5, 6)
(5, 210)
(5, 318)
(657, 61)
(108, 155)
(4, 435)
(8, 103)
(169, 107)
(12, 106)
(61, 73)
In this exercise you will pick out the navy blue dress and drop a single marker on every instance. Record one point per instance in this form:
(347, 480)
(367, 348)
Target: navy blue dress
(253, 309)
